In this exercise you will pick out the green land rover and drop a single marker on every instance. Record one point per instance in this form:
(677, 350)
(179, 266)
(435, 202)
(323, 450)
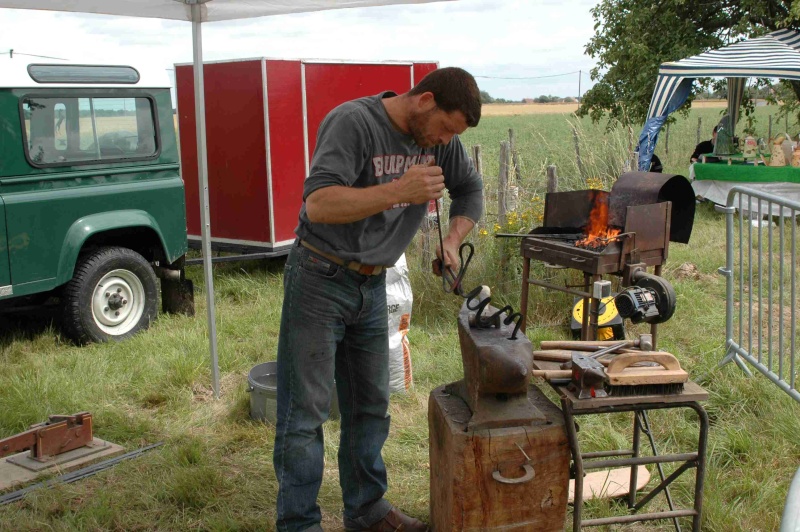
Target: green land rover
(91, 199)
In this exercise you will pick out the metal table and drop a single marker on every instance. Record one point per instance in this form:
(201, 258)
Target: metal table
(571, 407)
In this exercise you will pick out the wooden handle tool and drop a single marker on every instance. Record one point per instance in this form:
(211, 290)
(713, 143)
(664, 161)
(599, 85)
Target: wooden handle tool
(620, 372)
(553, 374)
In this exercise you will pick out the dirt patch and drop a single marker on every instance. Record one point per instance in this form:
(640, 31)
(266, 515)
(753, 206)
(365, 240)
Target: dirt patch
(204, 392)
(687, 270)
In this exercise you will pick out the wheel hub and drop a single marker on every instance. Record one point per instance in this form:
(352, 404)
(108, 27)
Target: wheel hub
(115, 301)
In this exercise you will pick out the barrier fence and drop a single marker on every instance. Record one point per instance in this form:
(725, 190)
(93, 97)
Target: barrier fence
(761, 286)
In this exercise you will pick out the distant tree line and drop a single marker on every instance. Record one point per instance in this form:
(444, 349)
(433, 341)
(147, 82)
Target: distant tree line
(487, 98)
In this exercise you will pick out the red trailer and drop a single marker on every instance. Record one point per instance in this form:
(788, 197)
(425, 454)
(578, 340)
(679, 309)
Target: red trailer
(262, 117)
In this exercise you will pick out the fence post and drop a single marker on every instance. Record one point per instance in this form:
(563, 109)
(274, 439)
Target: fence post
(699, 128)
(514, 157)
(552, 179)
(666, 141)
(502, 192)
(578, 153)
(502, 184)
(428, 227)
(769, 131)
(477, 160)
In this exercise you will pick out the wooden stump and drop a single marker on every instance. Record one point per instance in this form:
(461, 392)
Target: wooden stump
(470, 471)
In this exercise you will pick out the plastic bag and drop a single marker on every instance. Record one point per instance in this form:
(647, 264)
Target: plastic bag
(399, 299)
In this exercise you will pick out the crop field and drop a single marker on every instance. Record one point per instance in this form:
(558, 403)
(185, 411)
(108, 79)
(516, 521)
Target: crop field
(511, 109)
(214, 471)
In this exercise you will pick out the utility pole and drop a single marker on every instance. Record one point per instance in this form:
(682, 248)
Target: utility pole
(580, 73)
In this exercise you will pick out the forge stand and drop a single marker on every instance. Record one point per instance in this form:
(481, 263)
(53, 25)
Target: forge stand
(589, 324)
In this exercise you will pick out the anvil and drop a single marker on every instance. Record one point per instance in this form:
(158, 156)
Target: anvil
(497, 372)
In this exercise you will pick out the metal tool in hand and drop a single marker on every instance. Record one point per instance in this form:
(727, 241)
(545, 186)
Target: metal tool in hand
(451, 281)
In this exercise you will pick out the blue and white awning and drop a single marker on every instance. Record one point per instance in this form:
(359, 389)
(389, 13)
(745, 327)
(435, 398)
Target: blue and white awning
(775, 55)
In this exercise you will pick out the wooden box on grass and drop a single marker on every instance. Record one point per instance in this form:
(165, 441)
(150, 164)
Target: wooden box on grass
(464, 492)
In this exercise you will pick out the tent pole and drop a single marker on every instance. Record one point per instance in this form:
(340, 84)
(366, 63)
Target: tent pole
(202, 173)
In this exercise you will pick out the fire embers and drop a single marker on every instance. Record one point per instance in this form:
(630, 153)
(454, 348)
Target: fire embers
(598, 233)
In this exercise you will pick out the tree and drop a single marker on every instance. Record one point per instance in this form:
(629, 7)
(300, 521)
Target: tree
(486, 98)
(633, 37)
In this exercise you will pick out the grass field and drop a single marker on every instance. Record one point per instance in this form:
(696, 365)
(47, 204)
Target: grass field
(215, 470)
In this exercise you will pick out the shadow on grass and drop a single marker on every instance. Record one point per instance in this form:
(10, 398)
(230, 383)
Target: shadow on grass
(28, 323)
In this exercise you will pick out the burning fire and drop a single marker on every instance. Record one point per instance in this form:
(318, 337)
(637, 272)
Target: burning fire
(598, 233)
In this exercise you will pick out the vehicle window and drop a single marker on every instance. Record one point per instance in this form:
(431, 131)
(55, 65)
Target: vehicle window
(85, 130)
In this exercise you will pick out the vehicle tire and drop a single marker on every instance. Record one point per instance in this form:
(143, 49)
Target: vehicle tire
(112, 295)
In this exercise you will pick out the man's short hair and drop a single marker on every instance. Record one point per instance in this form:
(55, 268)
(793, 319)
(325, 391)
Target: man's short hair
(715, 129)
(454, 89)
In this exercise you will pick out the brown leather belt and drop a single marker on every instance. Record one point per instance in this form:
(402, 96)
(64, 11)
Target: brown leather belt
(363, 269)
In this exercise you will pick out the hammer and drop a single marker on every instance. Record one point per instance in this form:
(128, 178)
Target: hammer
(644, 342)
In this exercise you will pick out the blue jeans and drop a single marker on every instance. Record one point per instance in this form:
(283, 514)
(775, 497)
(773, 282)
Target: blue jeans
(334, 323)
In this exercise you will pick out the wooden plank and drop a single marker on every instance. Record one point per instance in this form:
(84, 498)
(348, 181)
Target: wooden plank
(12, 475)
(609, 483)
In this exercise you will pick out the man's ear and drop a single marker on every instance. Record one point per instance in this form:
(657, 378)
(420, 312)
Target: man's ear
(426, 101)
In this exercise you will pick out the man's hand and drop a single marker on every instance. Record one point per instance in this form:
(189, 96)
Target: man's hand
(448, 256)
(459, 227)
(420, 184)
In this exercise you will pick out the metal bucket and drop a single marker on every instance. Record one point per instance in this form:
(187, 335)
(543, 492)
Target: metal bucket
(263, 387)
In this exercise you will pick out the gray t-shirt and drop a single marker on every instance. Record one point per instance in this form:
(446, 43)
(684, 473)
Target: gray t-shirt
(357, 146)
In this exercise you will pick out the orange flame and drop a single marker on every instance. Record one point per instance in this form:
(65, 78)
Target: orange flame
(597, 231)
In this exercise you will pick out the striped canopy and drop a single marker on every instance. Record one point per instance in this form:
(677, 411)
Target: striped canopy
(775, 55)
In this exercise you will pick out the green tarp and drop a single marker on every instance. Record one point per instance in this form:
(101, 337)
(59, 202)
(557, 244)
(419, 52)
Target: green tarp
(746, 173)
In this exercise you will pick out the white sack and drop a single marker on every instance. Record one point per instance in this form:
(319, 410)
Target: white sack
(399, 300)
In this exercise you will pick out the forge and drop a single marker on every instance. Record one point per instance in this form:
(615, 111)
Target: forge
(623, 231)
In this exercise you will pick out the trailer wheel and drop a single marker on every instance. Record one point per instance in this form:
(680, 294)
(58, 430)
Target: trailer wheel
(112, 296)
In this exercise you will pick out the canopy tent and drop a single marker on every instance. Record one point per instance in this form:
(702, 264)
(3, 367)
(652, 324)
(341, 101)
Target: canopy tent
(197, 12)
(775, 55)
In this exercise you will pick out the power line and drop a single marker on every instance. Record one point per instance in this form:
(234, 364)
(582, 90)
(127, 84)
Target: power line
(537, 77)
(11, 53)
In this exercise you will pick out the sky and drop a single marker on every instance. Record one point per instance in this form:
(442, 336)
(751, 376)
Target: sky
(492, 39)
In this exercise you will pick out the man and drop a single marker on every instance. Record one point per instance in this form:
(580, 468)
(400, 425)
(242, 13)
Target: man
(378, 163)
(705, 147)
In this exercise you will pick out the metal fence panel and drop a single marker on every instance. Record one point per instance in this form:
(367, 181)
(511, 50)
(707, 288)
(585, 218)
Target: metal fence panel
(761, 285)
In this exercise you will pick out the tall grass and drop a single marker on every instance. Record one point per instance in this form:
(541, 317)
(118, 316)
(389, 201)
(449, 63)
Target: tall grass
(215, 471)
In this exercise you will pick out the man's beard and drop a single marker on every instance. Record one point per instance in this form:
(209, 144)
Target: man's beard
(417, 123)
